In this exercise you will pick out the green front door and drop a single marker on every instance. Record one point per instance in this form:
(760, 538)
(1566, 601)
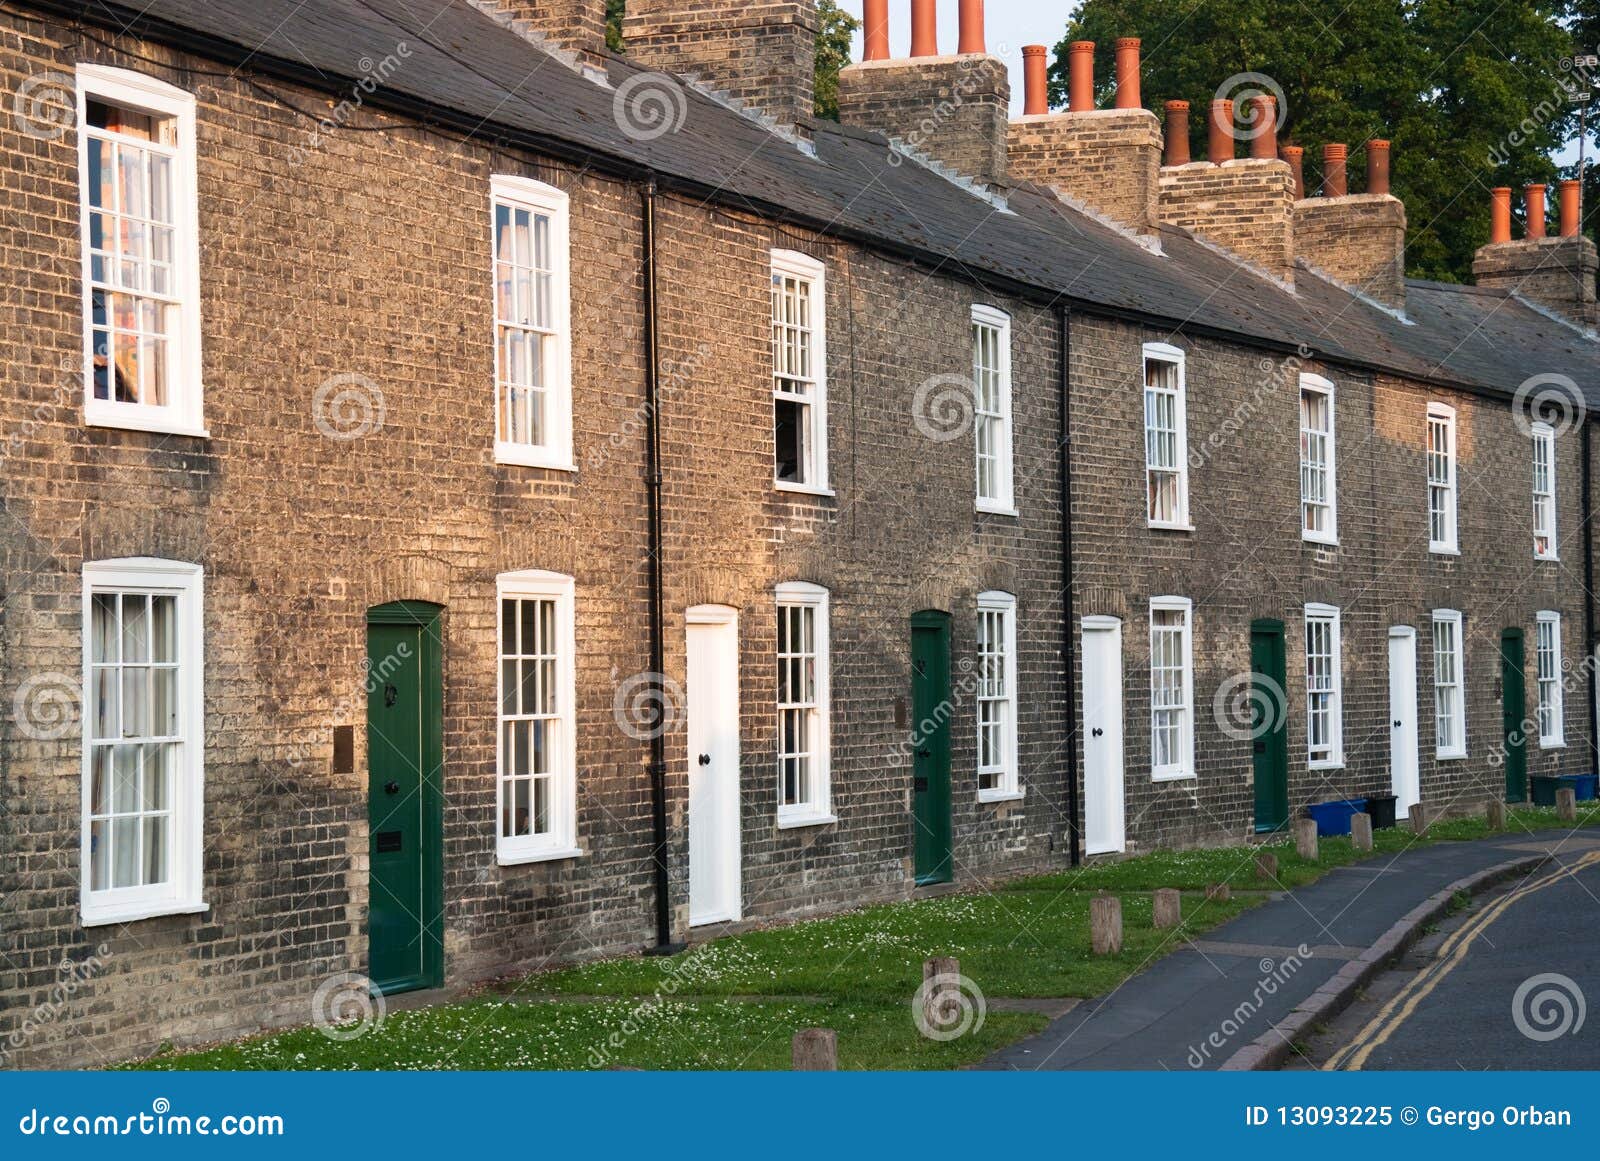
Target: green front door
(931, 708)
(1514, 713)
(1269, 725)
(404, 761)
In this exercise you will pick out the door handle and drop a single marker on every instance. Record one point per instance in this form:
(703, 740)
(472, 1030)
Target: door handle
(924, 753)
(1097, 732)
(391, 787)
(1397, 723)
(705, 759)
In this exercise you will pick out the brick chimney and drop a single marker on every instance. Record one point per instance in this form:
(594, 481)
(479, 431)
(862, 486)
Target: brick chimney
(763, 53)
(948, 107)
(1243, 204)
(1357, 239)
(1107, 159)
(575, 26)
(1557, 272)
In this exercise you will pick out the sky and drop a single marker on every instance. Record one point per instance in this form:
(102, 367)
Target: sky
(1011, 24)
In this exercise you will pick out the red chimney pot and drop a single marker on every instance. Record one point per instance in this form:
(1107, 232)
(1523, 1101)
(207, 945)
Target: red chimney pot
(1533, 203)
(1219, 136)
(971, 27)
(1334, 181)
(1264, 124)
(875, 17)
(1570, 224)
(1500, 214)
(924, 27)
(1295, 155)
(1128, 73)
(1036, 84)
(1177, 133)
(1080, 76)
(1377, 166)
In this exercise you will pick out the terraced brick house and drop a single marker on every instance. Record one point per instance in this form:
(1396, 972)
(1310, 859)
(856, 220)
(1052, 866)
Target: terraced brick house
(474, 501)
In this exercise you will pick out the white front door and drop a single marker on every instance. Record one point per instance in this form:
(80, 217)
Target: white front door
(1406, 781)
(713, 730)
(1104, 822)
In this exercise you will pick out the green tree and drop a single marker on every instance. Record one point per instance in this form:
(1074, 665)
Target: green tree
(1469, 91)
(614, 11)
(833, 52)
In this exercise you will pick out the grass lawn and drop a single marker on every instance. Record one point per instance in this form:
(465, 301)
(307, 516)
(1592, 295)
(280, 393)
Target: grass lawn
(735, 1003)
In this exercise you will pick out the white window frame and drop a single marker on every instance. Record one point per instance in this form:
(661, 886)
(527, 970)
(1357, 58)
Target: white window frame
(1459, 718)
(537, 197)
(1444, 415)
(1317, 385)
(1007, 785)
(1184, 767)
(818, 810)
(562, 841)
(1330, 616)
(183, 892)
(184, 412)
(1166, 353)
(1544, 446)
(793, 264)
(1003, 502)
(1552, 699)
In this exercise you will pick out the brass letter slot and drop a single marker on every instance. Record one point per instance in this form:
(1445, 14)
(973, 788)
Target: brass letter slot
(388, 841)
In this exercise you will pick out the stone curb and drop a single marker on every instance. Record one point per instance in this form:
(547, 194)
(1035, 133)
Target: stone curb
(1270, 1049)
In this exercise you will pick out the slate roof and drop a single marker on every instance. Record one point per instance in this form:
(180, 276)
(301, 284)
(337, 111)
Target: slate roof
(469, 71)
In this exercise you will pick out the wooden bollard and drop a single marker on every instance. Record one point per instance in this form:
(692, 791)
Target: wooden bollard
(1567, 804)
(1267, 866)
(1305, 839)
(1494, 812)
(1166, 909)
(1218, 892)
(941, 977)
(1361, 831)
(816, 1050)
(1419, 818)
(1105, 924)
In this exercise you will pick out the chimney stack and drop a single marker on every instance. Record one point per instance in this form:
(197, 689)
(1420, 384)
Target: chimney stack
(1239, 203)
(1356, 239)
(765, 56)
(1108, 159)
(949, 108)
(1177, 134)
(575, 26)
(1556, 273)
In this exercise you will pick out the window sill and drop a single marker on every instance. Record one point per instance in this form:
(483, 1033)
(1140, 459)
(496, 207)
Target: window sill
(1320, 541)
(1163, 526)
(795, 821)
(132, 912)
(1449, 755)
(1553, 744)
(1438, 550)
(133, 421)
(511, 453)
(1180, 776)
(539, 857)
(992, 508)
(803, 489)
(1001, 795)
(1556, 559)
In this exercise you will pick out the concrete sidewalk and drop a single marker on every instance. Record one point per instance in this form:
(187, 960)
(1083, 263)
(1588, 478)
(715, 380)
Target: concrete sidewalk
(1201, 1004)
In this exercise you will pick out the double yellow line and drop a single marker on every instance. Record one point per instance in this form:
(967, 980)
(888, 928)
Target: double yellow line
(1404, 1003)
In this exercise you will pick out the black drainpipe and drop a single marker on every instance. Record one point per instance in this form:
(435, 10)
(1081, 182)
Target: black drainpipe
(1585, 434)
(658, 629)
(1068, 652)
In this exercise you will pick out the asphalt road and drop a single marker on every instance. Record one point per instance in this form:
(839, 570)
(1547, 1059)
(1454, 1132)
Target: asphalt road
(1513, 982)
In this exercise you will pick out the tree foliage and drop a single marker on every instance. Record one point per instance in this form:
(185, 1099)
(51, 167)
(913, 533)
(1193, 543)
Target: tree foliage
(833, 53)
(1469, 91)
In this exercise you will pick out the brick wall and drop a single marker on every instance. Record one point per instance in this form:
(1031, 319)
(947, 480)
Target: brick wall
(1358, 239)
(1109, 159)
(950, 108)
(1557, 273)
(1243, 205)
